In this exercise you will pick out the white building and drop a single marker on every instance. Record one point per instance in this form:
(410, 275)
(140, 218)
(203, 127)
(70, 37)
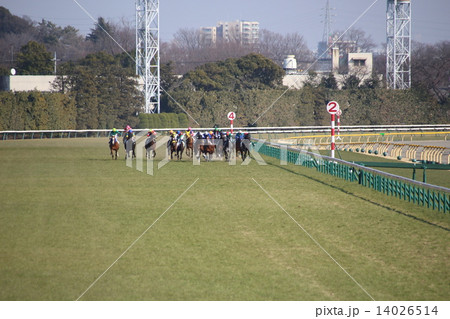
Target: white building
(356, 63)
(243, 32)
(17, 83)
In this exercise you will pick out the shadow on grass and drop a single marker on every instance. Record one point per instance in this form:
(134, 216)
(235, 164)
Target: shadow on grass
(359, 197)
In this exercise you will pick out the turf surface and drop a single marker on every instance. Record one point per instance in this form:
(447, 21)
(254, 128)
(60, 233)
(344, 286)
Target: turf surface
(68, 212)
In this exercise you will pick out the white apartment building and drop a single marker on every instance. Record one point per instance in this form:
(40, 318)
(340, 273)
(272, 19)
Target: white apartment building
(209, 35)
(244, 32)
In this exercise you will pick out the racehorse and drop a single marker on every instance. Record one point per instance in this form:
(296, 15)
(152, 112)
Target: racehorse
(242, 146)
(172, 146)
(180, 149)
(130, 145)
(150, 146)
(245, 146)
(226, 143)
(203, 147)
(114, 146)
(207, 151)
(220, 145)
(190, 146)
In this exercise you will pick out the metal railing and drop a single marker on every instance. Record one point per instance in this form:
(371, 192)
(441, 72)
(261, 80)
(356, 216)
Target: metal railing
(40, 134)
(426, 195)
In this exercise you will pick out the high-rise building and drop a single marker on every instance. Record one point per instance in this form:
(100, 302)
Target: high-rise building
(243, 32)
(209, 35)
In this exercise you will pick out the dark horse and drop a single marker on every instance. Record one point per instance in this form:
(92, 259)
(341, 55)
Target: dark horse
(114, 146)
(129, 144)
(176, 147)
(180, 149)
(150, 146)
(226, 144)
(243, 146)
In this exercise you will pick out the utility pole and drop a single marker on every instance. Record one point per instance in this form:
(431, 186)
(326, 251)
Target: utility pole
(55, 60)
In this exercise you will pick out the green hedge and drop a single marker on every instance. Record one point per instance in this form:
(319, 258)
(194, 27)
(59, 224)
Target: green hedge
(163, 120)
(36, 111)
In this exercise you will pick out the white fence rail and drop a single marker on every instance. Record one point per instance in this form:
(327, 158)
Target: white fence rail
(40, 134)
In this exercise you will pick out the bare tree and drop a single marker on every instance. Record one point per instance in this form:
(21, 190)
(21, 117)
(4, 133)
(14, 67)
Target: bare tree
(125, 34)
(276, 46)
(431, 68)
(353, 40)
(189, 39)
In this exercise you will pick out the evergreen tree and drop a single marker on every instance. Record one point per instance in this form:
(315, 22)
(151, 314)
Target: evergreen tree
(34, 59)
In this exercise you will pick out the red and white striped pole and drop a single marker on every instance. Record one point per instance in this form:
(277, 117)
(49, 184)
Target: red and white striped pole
(231, 116)
(339, 113)
(333, 144)
(333, 109)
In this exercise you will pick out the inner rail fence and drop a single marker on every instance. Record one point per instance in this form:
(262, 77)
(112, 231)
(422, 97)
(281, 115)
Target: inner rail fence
(262, 132)
(423, 194)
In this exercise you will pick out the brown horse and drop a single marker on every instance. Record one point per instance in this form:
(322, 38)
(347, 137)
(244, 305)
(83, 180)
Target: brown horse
(190, 146)
(205, 148)
(172, 147)
(207, 151)
(114, 147)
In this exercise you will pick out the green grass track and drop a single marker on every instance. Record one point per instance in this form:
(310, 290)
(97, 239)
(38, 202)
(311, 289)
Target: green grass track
(67, 212)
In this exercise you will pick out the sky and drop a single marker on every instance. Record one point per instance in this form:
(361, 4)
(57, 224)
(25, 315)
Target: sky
(430, 22)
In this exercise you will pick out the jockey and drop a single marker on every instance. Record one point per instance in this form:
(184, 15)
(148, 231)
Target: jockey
(217, 133)
(172, 137)
(179, 137)
(172, 134)
(115, 134)
(129, 133)
(151, 132)
(209, 137)
(189, 132)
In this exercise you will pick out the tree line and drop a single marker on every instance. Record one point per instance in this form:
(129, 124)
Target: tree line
(97, 88)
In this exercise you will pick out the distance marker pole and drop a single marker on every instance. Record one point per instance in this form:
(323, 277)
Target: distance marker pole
(333, 145)
(231, 126)
(339, 124)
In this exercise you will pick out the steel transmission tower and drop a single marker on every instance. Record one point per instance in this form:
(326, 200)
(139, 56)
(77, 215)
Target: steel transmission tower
(324, 46)
(147, 52)
(398, 54)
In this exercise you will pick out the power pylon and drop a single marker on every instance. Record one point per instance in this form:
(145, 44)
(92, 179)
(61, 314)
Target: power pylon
(147, 52)
(398, 39)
